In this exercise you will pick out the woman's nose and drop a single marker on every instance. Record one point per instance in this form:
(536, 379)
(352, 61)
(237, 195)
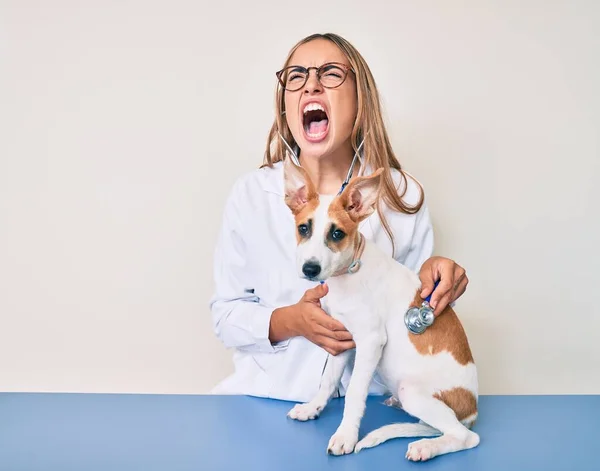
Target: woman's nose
(312, 84)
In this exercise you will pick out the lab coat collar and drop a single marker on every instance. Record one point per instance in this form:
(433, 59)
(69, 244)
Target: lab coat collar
(273, 179)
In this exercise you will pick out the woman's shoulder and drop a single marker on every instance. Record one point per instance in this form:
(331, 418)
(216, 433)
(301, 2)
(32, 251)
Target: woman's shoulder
(408, 187)
(262, 180)
(410, 227)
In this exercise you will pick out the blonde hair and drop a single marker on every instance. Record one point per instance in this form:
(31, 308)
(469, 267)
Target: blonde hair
(377, 150)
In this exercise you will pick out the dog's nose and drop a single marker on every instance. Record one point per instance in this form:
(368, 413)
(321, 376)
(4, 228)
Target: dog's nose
(311, 269)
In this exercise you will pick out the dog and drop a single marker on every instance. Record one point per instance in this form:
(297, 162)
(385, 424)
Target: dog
(432, 376)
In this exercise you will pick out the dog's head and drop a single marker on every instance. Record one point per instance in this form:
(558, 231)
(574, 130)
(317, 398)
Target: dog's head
(327, 228)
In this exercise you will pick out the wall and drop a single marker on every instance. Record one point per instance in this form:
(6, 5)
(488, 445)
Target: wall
(124, 124)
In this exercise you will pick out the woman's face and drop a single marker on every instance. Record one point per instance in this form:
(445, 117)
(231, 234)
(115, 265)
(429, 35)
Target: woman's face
(321, 119)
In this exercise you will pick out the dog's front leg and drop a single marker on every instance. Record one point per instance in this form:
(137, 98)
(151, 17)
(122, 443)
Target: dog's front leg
(368, 354)
(332, 375)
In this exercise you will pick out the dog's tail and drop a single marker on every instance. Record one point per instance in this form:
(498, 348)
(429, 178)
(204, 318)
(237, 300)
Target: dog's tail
(402, 430)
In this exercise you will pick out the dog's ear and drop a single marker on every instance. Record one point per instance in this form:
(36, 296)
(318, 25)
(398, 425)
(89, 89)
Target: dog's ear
(360, 196)
(298, 187)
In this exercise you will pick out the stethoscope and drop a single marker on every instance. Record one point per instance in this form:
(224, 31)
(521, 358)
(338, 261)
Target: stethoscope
(417, 319)
(294, 157)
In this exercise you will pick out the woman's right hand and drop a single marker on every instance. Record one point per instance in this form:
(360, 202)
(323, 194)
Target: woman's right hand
(307, 319)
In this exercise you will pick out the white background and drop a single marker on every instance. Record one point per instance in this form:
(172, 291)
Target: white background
(124, 124)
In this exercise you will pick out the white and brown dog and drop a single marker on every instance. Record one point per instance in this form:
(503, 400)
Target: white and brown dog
(432, 375)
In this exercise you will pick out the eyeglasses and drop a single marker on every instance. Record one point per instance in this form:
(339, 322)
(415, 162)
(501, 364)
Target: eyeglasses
(330, 75)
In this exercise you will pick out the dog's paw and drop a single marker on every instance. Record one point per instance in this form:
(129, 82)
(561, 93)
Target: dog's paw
(421, 450)
(392, 402)
(343, 441)
(304, 412)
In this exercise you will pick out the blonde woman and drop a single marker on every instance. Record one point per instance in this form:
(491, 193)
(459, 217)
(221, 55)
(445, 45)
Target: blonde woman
(327, 112)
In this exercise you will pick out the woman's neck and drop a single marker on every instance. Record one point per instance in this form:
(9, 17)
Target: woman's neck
(327, 172)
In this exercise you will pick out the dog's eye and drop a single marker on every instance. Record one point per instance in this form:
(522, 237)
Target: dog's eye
(303, 229)
(337, 235)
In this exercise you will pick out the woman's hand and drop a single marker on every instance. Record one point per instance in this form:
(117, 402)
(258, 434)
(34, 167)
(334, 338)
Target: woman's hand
(452, 282)
(307, 319)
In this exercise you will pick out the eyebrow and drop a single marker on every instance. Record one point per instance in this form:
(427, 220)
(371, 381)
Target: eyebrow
(331, 63)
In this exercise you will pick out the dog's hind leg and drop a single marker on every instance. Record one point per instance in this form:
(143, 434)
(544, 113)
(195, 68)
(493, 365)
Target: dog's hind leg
(446, 412)
(331, 378)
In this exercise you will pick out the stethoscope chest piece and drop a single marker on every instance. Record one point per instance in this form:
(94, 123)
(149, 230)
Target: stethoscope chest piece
(417, 319)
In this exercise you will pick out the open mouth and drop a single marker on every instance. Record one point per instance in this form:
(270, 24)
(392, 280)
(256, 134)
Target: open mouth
(315, 122)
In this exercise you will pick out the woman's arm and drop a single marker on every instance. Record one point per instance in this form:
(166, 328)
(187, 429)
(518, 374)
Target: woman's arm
(452, 277)
(239, 318)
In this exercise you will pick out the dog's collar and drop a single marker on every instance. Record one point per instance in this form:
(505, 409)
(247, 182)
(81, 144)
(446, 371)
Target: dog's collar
(356, 262)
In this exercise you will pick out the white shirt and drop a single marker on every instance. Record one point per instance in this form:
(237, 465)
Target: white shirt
(255, 272)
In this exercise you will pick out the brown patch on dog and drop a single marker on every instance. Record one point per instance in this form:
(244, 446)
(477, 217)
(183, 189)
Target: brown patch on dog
(341, 219)
(305, 213)
(462, 401)
(445, 334)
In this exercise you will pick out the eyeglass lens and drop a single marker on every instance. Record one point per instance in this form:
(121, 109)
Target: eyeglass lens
(330, 76)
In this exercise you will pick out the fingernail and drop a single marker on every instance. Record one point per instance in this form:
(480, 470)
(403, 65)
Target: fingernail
(322, 281)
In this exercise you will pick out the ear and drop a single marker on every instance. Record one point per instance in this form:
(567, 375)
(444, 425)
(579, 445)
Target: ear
(298, 187)
(361, 195)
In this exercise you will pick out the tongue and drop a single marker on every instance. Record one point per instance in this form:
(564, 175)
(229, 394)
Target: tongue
(317, 127)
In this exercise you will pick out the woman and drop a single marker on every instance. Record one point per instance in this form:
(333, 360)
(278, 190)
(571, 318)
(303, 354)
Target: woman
(327, 104)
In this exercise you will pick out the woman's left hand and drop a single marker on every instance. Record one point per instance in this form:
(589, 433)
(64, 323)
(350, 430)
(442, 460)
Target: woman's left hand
(452, 282)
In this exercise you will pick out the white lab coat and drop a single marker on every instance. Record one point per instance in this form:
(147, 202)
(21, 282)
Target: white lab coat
(255, 272)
